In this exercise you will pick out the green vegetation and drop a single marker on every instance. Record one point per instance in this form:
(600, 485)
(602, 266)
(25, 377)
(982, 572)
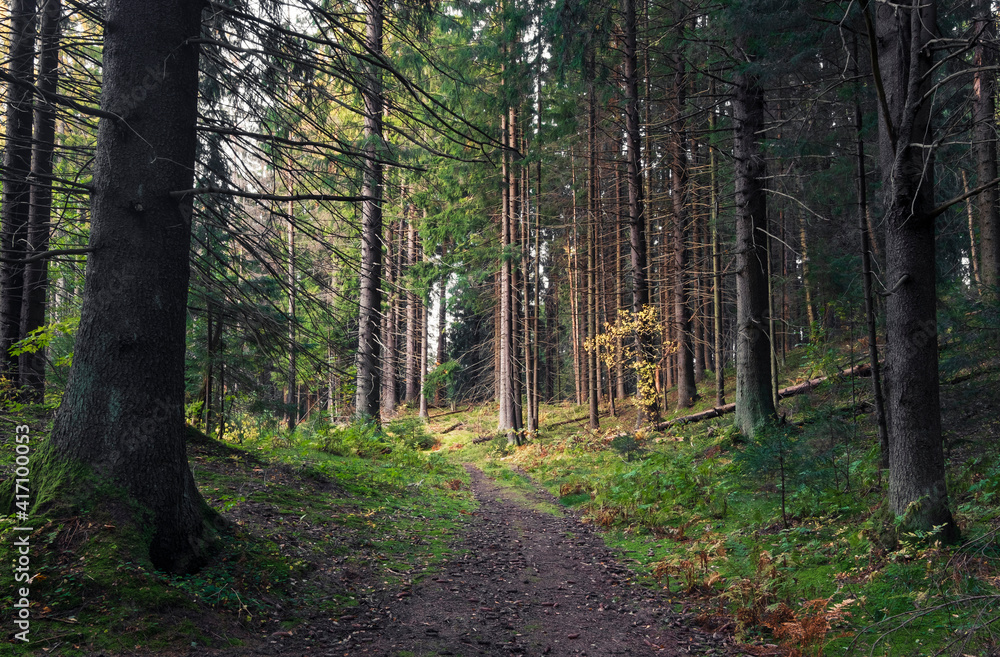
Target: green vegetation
(317, 521)
(783, 538)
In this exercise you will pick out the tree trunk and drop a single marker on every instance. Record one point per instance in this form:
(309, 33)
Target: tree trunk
(686, 390)
(984, 144)
(574, 292)
(31, 367)
(806, 276)
(412, 321)
(369, 379)
(291, 402)
(506, 384)
(593, 373)
(619, 283)
(423, 364)
(866, 273)
(976, 279)
(720, 354)
(121, 423)
(917, 490)
(442, 342)
(390, 326)
(649, 409)
(754, 403)
(16, 186)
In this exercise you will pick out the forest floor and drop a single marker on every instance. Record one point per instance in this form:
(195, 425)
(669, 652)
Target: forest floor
(397, 556)
(440, 538)
(526, 579)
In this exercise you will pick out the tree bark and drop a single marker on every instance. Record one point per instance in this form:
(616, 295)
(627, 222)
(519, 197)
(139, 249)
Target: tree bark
(506, 384)
(649, 409)
(687, 391)
(442, 341)
(121, 423)
(720, 355)
(412, 321)
(866, 273)
(984, 144)
(291, 401)
(390, 324)
(15, 214)
(593, 373)
(917, 490)
(754, 403)
(423, 364)
(31, 367)
(369, 376)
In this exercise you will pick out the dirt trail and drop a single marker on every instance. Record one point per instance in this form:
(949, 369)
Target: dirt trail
(528, 583)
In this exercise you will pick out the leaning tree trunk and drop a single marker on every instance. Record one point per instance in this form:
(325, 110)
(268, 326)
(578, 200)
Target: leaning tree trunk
(121, 423)
(754, 402)
(16, 186)
(369, 381)
(31, 367)
(917, 490)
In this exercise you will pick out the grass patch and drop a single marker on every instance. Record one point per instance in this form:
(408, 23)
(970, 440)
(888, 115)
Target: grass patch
(320, 522)
(777, 540)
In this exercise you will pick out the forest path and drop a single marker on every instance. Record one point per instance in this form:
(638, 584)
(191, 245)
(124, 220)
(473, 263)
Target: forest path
(528, 580)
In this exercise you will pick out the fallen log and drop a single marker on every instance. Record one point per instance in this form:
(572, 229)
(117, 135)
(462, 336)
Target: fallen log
(863, 369)
(461, 410)
(452, 427)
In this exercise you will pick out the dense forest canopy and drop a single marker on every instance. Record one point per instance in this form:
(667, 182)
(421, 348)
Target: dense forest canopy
(246, 214)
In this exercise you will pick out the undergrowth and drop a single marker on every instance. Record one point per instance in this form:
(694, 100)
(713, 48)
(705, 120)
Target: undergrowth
(318, 521)
(780, 539)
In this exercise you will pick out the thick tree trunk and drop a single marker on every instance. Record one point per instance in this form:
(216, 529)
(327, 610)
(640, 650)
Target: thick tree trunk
(754, 403)
(16, 186)
(917, 490)
(369, 376)
(31, 368)
(121, 423)
(984, 143)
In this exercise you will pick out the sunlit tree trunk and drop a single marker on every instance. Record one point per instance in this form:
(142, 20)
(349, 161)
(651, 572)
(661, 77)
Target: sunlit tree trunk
(369, 379)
